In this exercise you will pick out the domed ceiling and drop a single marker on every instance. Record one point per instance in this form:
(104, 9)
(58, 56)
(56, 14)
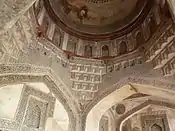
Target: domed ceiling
(98, 19)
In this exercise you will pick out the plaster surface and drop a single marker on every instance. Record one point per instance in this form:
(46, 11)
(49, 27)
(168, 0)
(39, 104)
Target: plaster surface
(9, 100)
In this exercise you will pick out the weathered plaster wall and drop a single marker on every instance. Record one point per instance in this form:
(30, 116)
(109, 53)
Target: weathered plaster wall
(9, 100)
(11, 11)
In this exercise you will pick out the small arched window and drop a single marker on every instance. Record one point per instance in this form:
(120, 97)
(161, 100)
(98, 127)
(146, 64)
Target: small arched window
(45, 23)
(156, 127)
(57, 37)
(105, 50)
(88, 51)
(139, 39)
(71, 46)
(152, 25)
(123, 48)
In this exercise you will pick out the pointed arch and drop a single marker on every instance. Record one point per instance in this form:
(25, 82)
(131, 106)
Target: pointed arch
(139, 39)
(156, 127)
(57, 37)
(71, 46)
(45, 23)
(120, 94)
(105, 50)
(88, 51)
(152, 25)
(24, 73)
(141, 107)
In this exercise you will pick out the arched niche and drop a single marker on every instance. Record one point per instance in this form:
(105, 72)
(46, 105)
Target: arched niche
(105, 50)
(123, 48)
(57, 37)
(152, 25)
(88, 51)
(9, 100)
(149, 112)
(17, 73)
(72, 46)
(95, 114)
(45, 23)
(139, 39)
(156, 127)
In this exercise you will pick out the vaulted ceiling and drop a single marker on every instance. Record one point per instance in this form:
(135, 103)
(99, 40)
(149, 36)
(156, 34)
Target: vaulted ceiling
(97, 20)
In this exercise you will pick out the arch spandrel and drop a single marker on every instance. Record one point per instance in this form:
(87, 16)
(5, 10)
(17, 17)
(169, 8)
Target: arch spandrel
(10, 76)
